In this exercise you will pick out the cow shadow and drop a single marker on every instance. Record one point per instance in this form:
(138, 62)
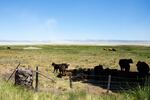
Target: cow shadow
(112, 79)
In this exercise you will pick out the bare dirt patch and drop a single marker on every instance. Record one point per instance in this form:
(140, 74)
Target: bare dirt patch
(32, 48)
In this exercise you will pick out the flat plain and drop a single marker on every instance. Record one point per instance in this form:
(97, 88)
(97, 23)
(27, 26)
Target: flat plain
(77, 56)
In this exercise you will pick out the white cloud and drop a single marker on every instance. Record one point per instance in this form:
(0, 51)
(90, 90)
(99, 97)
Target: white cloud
(51, 23)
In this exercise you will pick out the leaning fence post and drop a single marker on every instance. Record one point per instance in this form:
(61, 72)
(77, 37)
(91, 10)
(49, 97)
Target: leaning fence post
(13, 72)
(36, 83)
(108, 85)
(70, 81)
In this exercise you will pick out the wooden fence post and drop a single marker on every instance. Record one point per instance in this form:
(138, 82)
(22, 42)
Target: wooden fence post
(70, 81)
(108, 84)
(36, 83)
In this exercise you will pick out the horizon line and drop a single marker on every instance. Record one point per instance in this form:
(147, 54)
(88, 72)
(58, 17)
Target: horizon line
(77, 40)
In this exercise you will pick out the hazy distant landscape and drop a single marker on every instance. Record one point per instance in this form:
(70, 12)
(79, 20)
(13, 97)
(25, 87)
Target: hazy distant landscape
(78, 42)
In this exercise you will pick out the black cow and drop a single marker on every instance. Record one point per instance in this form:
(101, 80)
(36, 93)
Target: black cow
(98, 69)
(109, 49)
(56, 67)
(125, 64)
(112, 49)
(62, 68)
(8, 48)
(142, 68)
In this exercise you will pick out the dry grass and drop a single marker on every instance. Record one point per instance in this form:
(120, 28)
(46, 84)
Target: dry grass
(76, 56)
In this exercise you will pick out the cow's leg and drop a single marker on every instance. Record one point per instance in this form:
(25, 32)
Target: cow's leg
(54, 70)
(121, 68)
(60, 71)
(127, 69)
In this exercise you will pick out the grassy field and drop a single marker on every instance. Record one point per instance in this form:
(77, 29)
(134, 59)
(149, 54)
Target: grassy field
(76, 56)
(11, 92)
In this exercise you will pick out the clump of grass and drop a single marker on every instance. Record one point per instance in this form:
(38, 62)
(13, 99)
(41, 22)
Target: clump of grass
(77, 95)
(10, 92)
(139, 93)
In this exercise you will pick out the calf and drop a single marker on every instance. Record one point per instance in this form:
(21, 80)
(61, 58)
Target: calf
(61, 67)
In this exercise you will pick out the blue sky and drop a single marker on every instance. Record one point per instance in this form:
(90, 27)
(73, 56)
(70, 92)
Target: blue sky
(74, 19)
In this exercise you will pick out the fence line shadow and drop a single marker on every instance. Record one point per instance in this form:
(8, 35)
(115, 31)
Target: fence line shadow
(120, 80)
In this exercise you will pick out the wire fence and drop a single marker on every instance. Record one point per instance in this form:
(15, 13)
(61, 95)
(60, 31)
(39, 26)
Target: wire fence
(109, 82)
